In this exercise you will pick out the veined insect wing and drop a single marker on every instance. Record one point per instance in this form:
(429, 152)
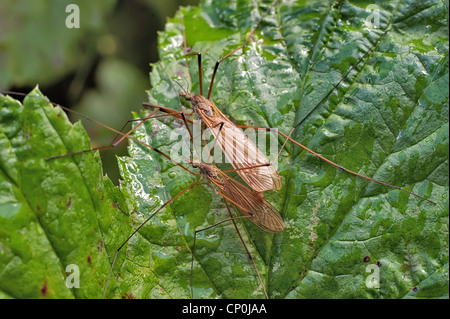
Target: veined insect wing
(317, 192)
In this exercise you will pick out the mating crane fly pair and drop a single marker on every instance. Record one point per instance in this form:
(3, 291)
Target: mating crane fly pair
(247, 160)
(249, 163)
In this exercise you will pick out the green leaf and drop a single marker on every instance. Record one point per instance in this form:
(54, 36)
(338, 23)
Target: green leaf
(388, 120)
(55, 215)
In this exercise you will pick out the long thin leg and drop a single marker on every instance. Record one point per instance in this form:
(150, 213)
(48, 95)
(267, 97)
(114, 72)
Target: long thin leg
(167, 110)
(111, 146)
(140, 226)
(198, 54)
(199, 62)
(338, 83)
(139, 120)
(192, 138)
(248, 251)
(334, 164)
(193, 245)
(114, 144)
(331, 91)
(215, 141)
(288, 137)
(190, 135)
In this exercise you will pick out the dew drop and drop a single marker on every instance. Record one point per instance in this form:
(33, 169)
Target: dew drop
(172, 174)
(227, 254)
(389, 168)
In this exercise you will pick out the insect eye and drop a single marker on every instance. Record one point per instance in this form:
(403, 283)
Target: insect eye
(186, 96)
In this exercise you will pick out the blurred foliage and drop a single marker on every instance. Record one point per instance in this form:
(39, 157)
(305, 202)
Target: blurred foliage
(100, 69)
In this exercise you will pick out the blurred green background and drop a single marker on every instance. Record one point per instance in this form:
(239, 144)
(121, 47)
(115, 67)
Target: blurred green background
(100, 69)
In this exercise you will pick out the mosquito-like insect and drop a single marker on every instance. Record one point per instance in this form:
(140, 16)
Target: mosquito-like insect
(289, 210)
(250, 203)
(241, 152)
(250, 163)
(252, 206)
(296, 196)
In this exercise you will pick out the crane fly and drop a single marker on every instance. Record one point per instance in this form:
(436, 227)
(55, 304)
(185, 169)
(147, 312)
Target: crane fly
(249, 162)
(251, 205)
(237, 147)
(247, 201)
(209, 171)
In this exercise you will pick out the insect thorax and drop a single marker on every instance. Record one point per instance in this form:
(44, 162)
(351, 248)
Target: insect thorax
(201, 105)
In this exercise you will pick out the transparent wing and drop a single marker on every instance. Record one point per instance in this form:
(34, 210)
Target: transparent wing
(264, 215)
(251, 164)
